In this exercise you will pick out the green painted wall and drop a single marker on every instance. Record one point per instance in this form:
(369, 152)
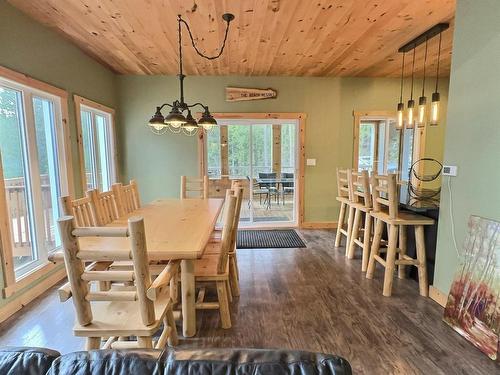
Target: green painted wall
(473, 138)
(158, 161)
(32, 49)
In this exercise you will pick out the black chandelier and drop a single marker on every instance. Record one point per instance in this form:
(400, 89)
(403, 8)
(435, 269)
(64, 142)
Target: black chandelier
(176, 121)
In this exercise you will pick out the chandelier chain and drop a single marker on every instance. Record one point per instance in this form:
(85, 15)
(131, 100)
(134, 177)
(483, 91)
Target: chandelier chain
(196, 48)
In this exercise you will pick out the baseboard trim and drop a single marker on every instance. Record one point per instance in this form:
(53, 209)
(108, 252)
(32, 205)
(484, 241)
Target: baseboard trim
(18, 303)
(437, 296)
(319, 225)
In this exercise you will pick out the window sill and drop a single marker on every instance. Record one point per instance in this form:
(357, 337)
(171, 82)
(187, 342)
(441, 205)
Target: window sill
(28, 278)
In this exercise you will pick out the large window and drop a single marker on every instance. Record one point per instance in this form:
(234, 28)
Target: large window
(97, 149)
(382, 148)
(214, 153)
(34, 169)
(239, 151)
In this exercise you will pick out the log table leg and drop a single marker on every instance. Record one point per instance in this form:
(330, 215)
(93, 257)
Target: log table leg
(188, 298)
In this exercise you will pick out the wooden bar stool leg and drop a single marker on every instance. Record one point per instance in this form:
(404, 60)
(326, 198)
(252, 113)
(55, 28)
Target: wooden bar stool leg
(402, 251)
(355, 234)
(422, 263)
(375, 249)
(93, 343)
(340, 224)
(366, 242)
(350, 221)
(390, 260)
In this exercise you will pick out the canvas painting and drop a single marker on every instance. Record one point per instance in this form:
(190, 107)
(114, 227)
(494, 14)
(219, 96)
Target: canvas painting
(473, 306)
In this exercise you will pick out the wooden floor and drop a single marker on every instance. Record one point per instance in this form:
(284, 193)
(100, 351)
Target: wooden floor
(312, 299)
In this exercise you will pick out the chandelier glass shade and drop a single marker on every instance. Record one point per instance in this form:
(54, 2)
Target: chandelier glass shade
(179, 118)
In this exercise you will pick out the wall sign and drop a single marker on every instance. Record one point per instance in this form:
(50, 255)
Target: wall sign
(236, 94)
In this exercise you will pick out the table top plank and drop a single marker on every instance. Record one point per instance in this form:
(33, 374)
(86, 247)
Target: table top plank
(175, 229)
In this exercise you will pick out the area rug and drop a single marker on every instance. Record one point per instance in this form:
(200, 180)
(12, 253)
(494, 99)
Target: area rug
(269, 239)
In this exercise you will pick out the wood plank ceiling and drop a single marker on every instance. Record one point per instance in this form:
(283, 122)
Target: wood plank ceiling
(268, 37)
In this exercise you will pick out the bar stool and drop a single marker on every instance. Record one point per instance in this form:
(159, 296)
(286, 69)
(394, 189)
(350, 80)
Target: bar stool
(361, 200)
(396, 222)
(343, 198)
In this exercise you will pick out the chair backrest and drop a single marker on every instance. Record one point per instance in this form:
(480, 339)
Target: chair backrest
(127, 197)
(227, 230)
(79, 276)
(267, 175)
(82, 210)
(385, 193)
(193, 187)
(106, 206)
(342, 183)
(287, 184)
(359, 188)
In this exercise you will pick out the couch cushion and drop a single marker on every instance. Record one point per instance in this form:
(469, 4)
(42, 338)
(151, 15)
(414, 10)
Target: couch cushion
(103, 362)
(250, 361)
(26, 361)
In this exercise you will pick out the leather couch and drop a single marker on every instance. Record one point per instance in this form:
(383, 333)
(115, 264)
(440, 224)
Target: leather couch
(38, 361)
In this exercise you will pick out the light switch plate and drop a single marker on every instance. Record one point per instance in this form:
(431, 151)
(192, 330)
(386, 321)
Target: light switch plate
(311, 162)
(450, 170)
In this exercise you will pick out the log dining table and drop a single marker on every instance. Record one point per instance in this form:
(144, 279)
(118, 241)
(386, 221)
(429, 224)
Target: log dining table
(175, 229)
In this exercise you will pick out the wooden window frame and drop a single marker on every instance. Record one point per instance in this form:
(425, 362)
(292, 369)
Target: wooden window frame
(79, 101)
(11, 284)
(300, 117)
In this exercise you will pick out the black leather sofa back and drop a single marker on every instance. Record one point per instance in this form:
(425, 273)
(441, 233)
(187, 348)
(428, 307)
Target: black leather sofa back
(26, 361)
(22, 361)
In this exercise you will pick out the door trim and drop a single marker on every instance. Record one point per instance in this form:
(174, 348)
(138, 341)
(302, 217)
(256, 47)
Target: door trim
(300, 116)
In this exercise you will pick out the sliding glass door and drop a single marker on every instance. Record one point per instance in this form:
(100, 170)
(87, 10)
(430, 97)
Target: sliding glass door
(33, 171)
(263, 155)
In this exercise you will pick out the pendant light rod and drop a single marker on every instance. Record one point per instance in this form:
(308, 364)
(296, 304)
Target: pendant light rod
(429, 34)
(437, 68)
(425, 61)
(402, 77)
(412, 73)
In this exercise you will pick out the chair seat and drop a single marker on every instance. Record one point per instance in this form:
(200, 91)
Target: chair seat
(205, 269)
(403, 218)
(122, 318)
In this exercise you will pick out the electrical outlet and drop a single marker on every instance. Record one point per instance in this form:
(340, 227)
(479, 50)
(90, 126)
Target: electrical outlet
(450, 170)
(311, 162)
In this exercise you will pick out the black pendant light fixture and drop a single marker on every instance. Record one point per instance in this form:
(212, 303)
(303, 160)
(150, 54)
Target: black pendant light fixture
(435, 95)
(422, 101)
(411, 103)
(401, 106)
(180, 118)
(421, 118)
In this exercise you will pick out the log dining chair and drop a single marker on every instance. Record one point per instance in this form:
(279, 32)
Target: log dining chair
(107, 206)
(192, 187)
(237, 191)
(214, 268)
(343, 198)
(82, 210)
(360, 199)
(127, 197)
(126, 310)
(385, 210)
